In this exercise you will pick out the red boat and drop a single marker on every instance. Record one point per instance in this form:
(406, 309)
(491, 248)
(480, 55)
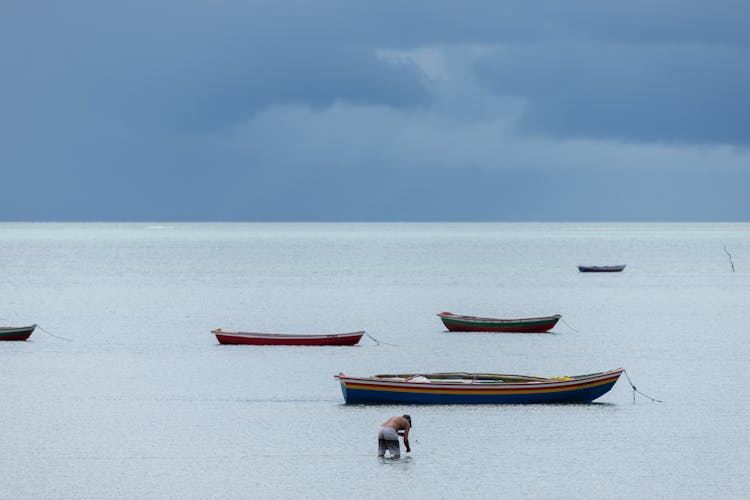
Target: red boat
(16, 332)
(458, 323)
(228, 337)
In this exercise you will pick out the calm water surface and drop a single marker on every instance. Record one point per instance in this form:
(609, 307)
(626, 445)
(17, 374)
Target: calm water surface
(143, 402)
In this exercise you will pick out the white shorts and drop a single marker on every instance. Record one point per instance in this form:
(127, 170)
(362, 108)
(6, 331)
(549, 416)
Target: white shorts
(388, 438)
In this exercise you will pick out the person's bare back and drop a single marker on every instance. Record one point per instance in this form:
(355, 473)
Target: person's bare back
(398, 423)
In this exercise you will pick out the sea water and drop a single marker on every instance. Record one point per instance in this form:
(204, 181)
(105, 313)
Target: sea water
(142, 402)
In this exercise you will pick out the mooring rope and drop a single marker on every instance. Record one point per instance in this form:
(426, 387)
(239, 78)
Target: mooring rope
(639, 392)
(730, 257)
(53, 335)
(566, 324)
(378, 342)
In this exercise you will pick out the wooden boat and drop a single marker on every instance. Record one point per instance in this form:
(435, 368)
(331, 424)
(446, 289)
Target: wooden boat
(458, 323)
(475, 388)
(16, 332)
(601, 269)
(228, 337)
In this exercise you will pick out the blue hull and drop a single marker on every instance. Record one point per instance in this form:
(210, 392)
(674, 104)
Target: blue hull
(365, 396)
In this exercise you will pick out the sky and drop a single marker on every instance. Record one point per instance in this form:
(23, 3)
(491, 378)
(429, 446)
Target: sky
(344, 110)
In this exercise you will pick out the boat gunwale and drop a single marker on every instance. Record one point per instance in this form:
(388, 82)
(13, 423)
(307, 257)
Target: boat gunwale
(469, 387)
(480, 319)
(17, 329)
(287, 336)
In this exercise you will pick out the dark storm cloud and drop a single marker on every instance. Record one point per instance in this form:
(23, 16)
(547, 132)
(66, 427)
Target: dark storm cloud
(196, 65)
(691, 92)
(275, 108)
(208, 63)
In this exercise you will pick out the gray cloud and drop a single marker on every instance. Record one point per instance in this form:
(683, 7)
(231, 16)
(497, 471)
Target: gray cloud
(268, 105)
(687, 93)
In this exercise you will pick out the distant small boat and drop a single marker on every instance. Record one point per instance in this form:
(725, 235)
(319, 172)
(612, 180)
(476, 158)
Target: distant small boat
(16, 332)
(601, 269)
(458, 323)
(252, 338)
(475, 388)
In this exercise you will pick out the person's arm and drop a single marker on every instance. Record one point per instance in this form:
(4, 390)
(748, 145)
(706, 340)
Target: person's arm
(406, 440)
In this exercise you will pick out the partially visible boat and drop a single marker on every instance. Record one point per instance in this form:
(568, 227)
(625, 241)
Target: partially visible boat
(475, 388)
(16, 332)
(253, 338)
(601, 269)
(459, 323)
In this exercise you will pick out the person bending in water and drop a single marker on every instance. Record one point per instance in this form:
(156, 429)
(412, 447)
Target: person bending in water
(389, 433)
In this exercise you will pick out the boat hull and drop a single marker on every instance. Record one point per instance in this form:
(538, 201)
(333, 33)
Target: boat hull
(600, 269)
(576, 390)
(16, 333)
(247, 338)
(457, 323)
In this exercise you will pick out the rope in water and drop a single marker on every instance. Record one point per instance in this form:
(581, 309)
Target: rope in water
(566, 324)
(53, 335)
(378, 342)
(639, 392)
(730, 257)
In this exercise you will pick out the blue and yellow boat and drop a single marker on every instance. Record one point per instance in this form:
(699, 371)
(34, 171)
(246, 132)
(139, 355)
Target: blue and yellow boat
(475, 388)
